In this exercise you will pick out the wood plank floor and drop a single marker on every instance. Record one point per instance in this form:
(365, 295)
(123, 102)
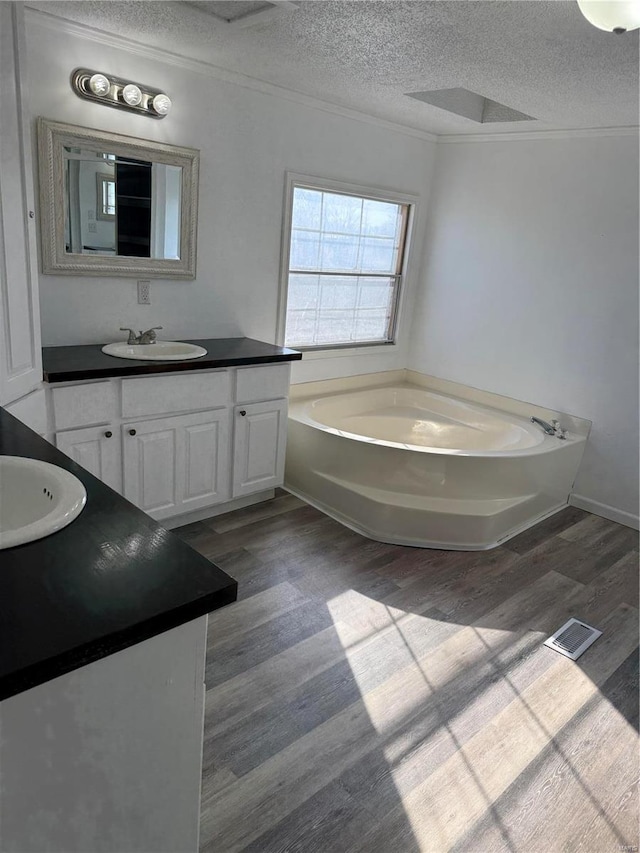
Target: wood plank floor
(373, 698)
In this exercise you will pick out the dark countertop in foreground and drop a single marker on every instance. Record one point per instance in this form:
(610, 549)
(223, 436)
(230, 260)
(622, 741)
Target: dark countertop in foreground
(75, 363)
(109, 580)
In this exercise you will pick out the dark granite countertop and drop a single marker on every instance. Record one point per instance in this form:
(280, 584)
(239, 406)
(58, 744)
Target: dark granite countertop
(111, 579)
(75, 363)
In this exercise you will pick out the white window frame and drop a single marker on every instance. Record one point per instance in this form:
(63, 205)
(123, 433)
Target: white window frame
(295, 179)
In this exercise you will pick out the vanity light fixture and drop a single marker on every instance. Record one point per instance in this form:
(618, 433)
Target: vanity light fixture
(162, 104)
(613, 16)
(122, 94)
(99, 85)
(132, 94)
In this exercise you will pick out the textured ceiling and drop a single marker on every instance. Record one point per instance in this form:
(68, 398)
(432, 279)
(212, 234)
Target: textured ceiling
(540, 57)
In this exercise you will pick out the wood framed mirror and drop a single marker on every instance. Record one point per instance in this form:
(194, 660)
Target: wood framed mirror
(115, 205)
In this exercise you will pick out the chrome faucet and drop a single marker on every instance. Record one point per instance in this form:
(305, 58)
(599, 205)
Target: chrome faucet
(148, 337)
(552, 428)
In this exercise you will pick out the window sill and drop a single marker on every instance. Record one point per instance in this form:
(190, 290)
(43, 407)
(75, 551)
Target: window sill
(347, 352)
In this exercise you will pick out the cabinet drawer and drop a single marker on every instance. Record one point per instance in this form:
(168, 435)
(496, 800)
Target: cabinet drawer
(265, 382)
(161, 395)
(81, 405)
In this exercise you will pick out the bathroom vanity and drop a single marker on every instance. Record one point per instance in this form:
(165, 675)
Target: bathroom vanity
(102, 650)
(182, 440)
(103, 624)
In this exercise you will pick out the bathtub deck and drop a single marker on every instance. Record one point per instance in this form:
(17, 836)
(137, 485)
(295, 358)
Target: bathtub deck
(383, 699)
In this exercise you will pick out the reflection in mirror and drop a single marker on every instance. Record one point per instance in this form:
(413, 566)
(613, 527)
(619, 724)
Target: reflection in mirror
(120, 206)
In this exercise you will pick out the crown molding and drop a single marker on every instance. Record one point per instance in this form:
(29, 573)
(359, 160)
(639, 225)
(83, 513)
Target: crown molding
(569, 133)
(199, 66)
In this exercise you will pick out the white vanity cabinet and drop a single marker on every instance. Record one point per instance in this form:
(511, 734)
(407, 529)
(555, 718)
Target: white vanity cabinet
(97, 449)
(259, 442)
(179, 443)
(176, 465)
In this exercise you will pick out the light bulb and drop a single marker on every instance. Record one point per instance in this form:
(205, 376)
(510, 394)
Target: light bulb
(162, 104)
(131, 94)
(99, 85)
(614, 16)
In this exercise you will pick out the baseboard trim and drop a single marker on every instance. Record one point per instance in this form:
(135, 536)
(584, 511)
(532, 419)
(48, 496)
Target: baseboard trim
(218, 509)
(606, 511)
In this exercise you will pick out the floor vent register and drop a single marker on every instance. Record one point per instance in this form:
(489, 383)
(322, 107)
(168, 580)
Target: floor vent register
(573, 639)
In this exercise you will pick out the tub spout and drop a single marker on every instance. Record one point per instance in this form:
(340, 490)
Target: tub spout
(552, 428)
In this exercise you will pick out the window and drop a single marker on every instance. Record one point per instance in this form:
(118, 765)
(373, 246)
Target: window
(346, 253)
(106, 187)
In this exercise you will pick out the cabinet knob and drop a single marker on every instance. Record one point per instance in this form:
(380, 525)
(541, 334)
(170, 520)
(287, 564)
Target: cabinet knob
(108, 434)
(132, 432)
(242, 412)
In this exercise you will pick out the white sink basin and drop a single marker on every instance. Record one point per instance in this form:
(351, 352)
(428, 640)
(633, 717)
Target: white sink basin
(36, 499)
(160, 351)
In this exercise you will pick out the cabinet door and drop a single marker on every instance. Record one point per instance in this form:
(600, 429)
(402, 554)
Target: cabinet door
(20, 353)
(97, 449)
(174, 465)
(260, 433)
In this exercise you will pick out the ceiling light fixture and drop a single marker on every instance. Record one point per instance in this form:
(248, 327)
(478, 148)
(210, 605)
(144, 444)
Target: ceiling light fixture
(121, 94)
(614, 16)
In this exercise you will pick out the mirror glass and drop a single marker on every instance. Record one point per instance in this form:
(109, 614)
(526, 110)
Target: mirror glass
(118, 206)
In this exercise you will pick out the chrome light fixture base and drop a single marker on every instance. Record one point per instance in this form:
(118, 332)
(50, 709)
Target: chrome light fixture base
(113, 96)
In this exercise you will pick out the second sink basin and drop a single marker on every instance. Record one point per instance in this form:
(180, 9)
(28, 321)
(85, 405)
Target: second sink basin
(36, 499)
(159, 351)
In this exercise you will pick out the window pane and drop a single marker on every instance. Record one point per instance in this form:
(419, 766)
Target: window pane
(307, 208)
(334, 327)
(339, 252)
(380, 218)
(305, 248)
(331, 309)
(378, 255)
(341, 213)
(301, 327)
(111, 197)
(374, 293)
(303, 293)
(370, 326)
(339, 293)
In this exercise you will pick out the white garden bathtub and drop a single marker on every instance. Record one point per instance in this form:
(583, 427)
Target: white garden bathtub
(405, 465)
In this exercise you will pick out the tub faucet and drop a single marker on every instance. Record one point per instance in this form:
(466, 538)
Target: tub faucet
(148, 337)
(552, 428)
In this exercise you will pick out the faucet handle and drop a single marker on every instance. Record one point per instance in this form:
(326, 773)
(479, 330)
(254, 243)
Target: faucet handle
(132, 335)
(149, 337)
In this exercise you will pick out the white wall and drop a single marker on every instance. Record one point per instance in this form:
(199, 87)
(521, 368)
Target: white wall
(247, 141)
(531, 289)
